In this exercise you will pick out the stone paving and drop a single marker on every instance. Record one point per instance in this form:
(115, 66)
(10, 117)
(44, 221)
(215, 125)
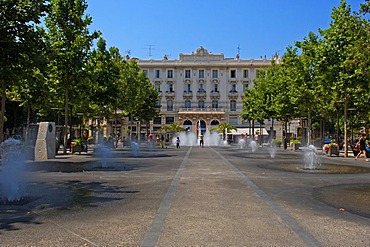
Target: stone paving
(192, 196)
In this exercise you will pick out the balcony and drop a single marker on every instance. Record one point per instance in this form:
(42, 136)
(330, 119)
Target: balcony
(201, 110)
(201, 94)
(215, 94)
(170, 94)
(188, 94)
(233, 94)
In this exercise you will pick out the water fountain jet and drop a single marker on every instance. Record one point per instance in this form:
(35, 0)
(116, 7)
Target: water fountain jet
(12, 176)
(311, 160)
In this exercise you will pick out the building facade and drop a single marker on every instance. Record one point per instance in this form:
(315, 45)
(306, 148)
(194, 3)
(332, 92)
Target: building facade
(200, 89)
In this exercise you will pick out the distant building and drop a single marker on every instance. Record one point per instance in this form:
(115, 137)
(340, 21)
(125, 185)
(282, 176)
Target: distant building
(197, 89)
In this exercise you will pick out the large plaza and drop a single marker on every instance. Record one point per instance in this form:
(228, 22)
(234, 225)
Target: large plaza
(176, 197)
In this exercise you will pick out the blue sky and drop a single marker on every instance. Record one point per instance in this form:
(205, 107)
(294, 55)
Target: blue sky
(158, 27)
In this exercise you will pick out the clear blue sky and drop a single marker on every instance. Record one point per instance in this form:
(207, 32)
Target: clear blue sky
(259, 27)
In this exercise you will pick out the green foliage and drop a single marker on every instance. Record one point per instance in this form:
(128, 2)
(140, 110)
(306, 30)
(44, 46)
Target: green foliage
(222, 127)
(172, 128)
(69, 42)
(21, 42)
(277, 142)
(317, 73)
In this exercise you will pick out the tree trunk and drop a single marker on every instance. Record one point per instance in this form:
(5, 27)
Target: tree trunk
(309, 132)
(345, 127)
(285, 137)
(66, 98)
(3, 96)
(28, 123)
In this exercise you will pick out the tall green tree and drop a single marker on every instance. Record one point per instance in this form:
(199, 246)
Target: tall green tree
(69, 41)
(345, 59)
(20, 42)
(104, 69)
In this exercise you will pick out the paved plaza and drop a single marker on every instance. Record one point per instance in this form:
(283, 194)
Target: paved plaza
(192, 196)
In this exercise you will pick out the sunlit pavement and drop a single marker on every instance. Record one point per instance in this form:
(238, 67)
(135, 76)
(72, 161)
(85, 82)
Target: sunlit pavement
(192, 196)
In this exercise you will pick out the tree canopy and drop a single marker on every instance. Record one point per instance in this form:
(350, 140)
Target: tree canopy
(318, 74)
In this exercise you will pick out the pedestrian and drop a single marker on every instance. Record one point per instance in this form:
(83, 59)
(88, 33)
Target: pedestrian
(162, 141)
(362, 145)
(201, 140)
(178, 142)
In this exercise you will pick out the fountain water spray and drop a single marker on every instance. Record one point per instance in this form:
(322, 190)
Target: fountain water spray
(253, 146)
(135, 149)
(190, 139)
(311, 160)
(104, 154)
(241, 143)
(212, 139)
(272, 150)
(12, 176)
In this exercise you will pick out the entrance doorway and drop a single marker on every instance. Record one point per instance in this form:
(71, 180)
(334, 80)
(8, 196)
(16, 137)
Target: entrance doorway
(202, 126)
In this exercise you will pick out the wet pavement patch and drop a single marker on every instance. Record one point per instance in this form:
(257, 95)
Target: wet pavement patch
(76, 167)
(23, 201)
(352, 198)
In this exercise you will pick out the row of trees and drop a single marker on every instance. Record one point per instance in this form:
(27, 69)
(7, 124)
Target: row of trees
(320, 76)
(48, 59)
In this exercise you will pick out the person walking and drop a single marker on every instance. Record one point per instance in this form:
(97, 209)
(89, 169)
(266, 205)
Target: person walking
(362, 144)
(178, 142)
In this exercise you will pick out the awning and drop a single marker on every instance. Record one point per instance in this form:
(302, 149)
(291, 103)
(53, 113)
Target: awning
(247, 131)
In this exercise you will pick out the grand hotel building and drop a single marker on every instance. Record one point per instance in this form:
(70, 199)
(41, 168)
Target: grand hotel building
(198, 88)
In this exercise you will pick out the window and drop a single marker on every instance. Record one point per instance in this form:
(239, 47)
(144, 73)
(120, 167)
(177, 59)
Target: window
(233, 120)
(169, 88)
(169, 105)
(188, 73)
(245, 87)
(170, 120)
(201, 73)
(187, 104)
(201, 104)
(233, 73)
(233, 88)
(158, 87)
(245, 73)
(215, 87)
(159, 105)
(214, 104)
(187, 88)
(157, 120)
(145, 73)
(201, 88)
(215, 73)
(157, 73)
(232, 105)
(170, 73)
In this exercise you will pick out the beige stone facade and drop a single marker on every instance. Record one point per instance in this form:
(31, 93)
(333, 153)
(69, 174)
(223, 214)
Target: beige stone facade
(198, 89)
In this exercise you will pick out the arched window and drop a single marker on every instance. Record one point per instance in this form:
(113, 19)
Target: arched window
(215, 122)
(187, 88)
